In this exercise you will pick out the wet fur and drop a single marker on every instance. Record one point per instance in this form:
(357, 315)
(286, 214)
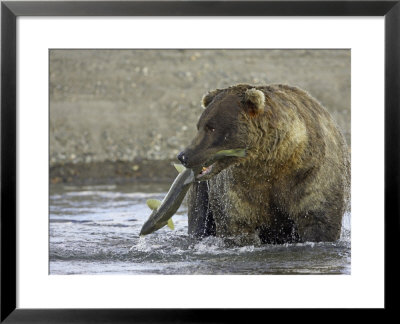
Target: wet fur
(294, 183)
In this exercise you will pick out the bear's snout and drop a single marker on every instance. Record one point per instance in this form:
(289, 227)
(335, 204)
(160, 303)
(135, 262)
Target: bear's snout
(183, 158)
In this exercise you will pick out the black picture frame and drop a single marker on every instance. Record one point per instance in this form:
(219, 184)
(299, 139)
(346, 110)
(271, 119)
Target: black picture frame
(11, 10)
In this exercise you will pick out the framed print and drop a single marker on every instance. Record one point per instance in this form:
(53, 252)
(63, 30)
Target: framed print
(99, 98)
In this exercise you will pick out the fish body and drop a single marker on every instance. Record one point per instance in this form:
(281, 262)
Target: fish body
(164, 210)
(233, 152)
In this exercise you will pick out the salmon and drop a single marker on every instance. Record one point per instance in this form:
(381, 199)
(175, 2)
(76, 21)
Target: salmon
(164, 210)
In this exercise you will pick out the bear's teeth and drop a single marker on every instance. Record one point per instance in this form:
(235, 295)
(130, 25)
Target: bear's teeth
(206, 170)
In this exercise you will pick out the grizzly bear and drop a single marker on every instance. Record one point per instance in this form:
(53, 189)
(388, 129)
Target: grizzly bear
(293, 183)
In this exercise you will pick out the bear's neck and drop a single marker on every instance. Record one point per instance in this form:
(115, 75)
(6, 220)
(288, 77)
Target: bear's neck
(274, 150)
(255, 171)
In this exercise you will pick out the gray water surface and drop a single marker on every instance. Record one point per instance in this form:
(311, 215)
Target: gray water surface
(95, 230)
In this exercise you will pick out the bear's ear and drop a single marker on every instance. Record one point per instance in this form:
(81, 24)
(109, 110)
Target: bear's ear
(208, 97)
(254, 101)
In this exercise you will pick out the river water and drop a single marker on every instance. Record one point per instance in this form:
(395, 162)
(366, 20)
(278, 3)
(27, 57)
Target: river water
(95, 230)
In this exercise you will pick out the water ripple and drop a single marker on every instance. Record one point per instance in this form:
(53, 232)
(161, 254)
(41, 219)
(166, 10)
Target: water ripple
(96, 231)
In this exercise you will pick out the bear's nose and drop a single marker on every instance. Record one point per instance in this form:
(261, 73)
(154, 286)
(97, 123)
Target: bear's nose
(182, 157)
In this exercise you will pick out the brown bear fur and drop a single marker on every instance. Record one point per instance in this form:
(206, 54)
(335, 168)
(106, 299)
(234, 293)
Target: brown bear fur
(294, 182)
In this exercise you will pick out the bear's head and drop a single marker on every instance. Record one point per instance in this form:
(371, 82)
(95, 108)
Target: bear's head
(219, 129)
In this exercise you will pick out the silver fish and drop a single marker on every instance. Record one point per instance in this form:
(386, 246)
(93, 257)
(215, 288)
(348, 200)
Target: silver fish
(164, 210)
(233, 152)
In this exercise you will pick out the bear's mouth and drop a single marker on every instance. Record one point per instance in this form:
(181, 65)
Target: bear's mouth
(219, 161)
(205, 171)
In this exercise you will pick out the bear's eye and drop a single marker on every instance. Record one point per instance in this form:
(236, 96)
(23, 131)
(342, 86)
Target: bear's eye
(210, 128)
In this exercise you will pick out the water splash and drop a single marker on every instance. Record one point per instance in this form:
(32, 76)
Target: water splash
(98, 234)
